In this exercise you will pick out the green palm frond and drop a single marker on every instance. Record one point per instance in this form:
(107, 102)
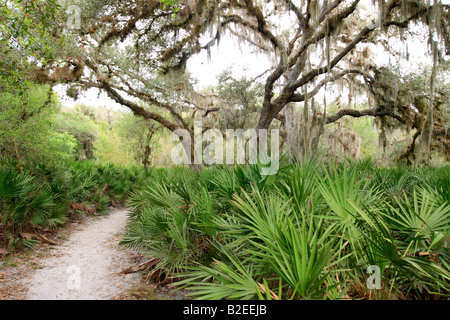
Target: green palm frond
(420, 216)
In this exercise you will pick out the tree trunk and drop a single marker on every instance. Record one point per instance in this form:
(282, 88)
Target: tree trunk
(146, 159)
(303, 133)
(292, 125)
(193, 157)
(424, 147)
(86, 151)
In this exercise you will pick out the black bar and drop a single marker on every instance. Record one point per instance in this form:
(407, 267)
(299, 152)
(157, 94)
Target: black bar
(189, 309)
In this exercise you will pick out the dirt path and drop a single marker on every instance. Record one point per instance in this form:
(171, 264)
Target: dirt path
(86, 265)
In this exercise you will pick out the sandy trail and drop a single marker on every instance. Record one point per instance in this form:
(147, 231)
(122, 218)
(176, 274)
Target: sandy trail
(86, 265)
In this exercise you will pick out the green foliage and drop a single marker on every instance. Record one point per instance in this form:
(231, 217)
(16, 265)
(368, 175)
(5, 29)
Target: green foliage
(243, 96)
(172, 5)
(28, 115)
(439, 185)
(341, 190)
(420, 215)
(309, 232)
(108, 148)
(26, 26)
(137, 136)
(25, 205)
(37, 196)
(83, 130)
(242, 93)
(171, 219)
(412, 92)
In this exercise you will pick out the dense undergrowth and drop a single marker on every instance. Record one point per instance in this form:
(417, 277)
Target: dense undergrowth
(310, 232)
(35, 198)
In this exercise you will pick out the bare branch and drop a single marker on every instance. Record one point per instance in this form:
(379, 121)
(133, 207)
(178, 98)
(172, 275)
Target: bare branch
(137, 110)
(301, 97)
(255, 10)
(375, 112)
(314, 73)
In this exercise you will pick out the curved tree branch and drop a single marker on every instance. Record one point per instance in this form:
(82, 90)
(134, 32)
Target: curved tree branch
(375, 112)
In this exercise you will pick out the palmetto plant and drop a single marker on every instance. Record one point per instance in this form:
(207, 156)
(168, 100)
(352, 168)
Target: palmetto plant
(309, 232)
(299, 184)
(423, 226)
(228, 279)
(25, 206)
(397, 242)
(203, 211)
(171, 219)
(419, 216)
(279, 250)
(394, 182)
(153, 194)
(228, 181)
(36, 196)
(147, 225)
(439, 185)
(341, 191)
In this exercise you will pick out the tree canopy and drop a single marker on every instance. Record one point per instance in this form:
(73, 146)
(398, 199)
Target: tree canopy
(137, 53)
